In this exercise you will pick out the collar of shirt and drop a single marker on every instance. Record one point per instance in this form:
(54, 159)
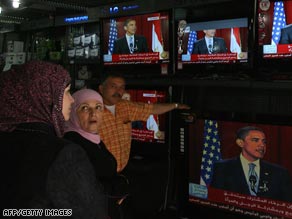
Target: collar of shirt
(209, 40)
(112, 108)
(128, 38)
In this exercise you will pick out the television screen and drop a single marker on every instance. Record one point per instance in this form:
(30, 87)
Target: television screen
(219, 175)
(153, 130)
(139, 39)
(275, 28)
(217, 41)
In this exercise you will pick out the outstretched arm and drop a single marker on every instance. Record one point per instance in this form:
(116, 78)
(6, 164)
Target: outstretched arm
(160, 108)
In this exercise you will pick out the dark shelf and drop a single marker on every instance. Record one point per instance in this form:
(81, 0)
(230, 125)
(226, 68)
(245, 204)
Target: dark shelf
(85, 61)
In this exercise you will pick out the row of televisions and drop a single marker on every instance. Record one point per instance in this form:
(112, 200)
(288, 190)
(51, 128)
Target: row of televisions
(245, 41)
(242, 39)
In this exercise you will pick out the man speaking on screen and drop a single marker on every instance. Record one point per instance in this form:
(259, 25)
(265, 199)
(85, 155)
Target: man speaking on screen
(130, 43)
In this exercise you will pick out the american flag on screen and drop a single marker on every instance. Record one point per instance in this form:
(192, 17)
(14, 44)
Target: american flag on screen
(113, 35)
(192, 39)
(211, 151)
(279, 21)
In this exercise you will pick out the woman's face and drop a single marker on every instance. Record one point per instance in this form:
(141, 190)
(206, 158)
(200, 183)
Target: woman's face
(67, 103)
(89, 114)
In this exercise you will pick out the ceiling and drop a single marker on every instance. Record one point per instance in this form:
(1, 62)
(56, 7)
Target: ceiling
(35, 9)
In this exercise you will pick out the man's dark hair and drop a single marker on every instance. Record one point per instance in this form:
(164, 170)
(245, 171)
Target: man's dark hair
(111, 75)
(243, 132)
(127, 21)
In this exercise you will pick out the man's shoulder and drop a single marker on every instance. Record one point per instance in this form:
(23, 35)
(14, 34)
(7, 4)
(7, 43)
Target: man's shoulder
(287, 28)
(218, 39)
(140, 37)
(226, 162)
(123, 103)
(141, 107)
(120, 39)
(128, 103)
(272, 166)
(200, 41)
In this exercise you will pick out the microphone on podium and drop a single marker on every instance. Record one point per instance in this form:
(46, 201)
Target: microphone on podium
(253, 181)
(210, 49)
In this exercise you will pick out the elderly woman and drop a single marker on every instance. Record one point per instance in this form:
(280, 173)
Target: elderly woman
(85, 120)
(82, 128)
(39, 169)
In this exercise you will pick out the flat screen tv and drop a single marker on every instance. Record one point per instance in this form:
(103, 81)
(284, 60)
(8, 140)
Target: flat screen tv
(137, 39)
(212, 41)
(275, 29)
(153, 130)
(211, 145)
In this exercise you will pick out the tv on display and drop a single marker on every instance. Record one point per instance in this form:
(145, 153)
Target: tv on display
(218, 178)
(217, 41)
(149, 44)
(275, 28)
(153, 130)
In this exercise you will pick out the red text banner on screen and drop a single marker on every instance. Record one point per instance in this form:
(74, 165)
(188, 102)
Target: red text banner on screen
(245, 204)
(222, 58)
(145, 58)
(282, 51)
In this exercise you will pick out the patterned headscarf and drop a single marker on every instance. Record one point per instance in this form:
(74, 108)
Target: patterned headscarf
(33, 92)
(73, 124)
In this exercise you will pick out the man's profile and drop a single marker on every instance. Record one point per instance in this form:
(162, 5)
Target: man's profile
(130, 43)
(209, 44)
(248, 173)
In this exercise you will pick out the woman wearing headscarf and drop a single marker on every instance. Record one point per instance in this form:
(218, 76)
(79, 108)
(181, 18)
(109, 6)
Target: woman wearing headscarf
(39, 169)
(82, 128)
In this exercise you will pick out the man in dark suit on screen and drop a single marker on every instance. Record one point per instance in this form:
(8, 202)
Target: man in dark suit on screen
(209, 44)
(248, 173)
(286, 35)
(130, 43)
